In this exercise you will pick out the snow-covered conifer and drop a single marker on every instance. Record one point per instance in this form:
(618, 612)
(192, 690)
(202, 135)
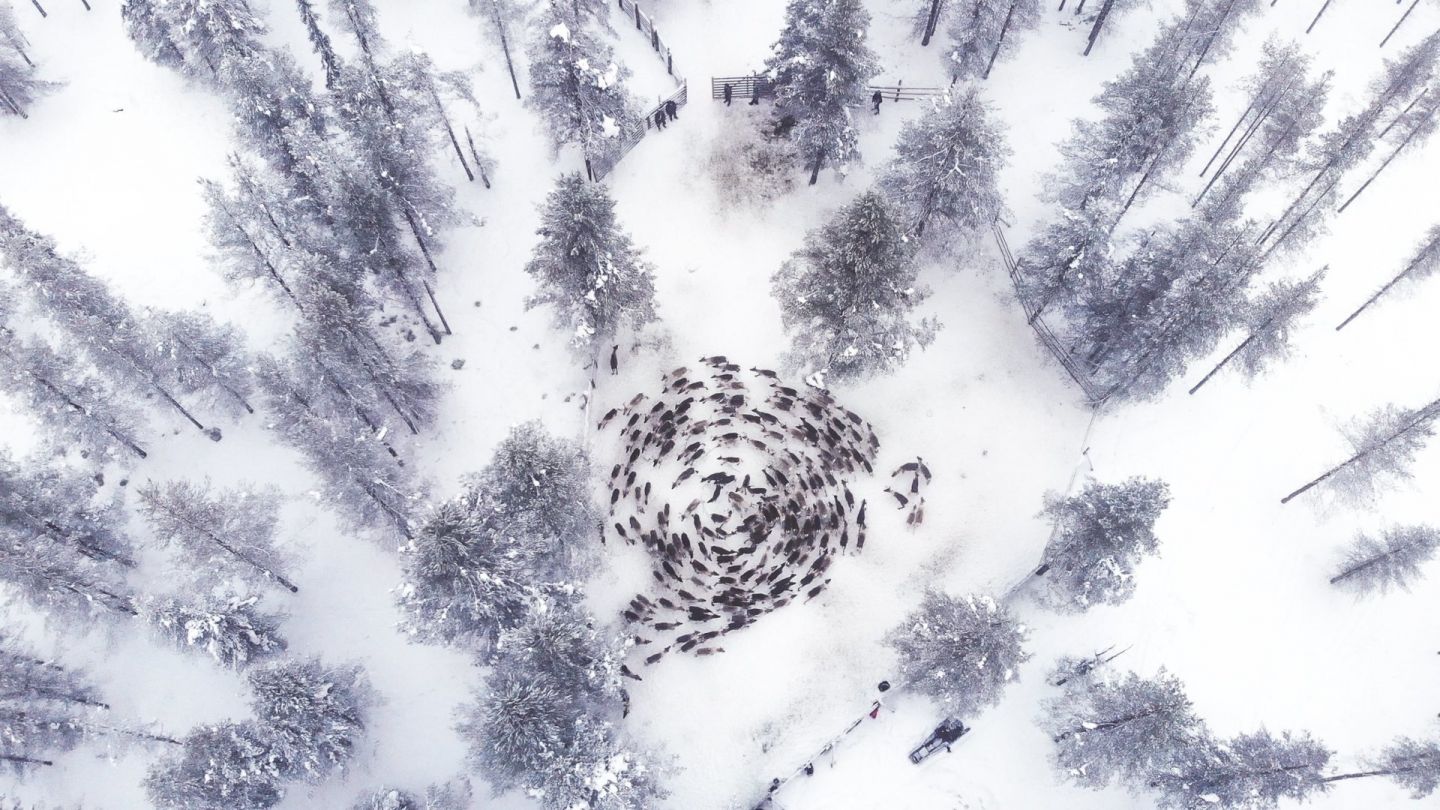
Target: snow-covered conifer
(313, 714)
(45, 709)
(1413, 764)
(1383, 445)
(1100, 534)
(1270, 319)
(1120, 729)
(1424, 263)
(946, 166)
(1392, 560)
(230, 766)
(202, 38)
(1249, 771)
(588, 269)
(230, 531)
(962, 652)
(578, 88)
(984, 30)
(821, 67)
(846, 297)
(234, 632)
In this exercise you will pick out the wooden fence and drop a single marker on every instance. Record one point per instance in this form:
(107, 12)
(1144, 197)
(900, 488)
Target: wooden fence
(744, 87)
(1093, 393)
(645, 24)
(603, 166)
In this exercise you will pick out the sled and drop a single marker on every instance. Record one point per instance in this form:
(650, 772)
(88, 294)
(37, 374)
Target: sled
(941, 738)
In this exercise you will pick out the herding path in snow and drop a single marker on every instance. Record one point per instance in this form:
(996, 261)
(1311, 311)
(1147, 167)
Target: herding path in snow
(745, 501)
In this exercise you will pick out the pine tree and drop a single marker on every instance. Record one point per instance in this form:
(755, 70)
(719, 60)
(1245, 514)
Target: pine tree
(63, 506)
(364, 482)
(983, 30)
(20, 87)
(588, 269)
(1270, 319)
(211, 363)
(578, 88)
(500, 17)
(946, 166)
(234, 632)
(962, 652)
(121, 345)
(1352, 140)
(315, 714)
(1249, 771)
(59, 549)
(219, 531)
(1285, 107)
(542, 488)
(1120, 729)
(467, 577)
(45, 709)
(847, 294)
(454, 795)
(231, 766)
(1099, 535)
(320, 41)
(204, 38)
(1393, 560)
(821, 67)
(1383, 446)
(1423, 264)
(48, 709)
(1413, 764)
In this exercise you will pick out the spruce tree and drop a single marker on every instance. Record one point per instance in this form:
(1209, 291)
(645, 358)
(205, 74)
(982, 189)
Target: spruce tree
(1424, 263)
(1099, 535)
(314, 714)
(230, 531)
(588, 269)
(820, 68)
(206, 39)
(1120, 729)
(234, 632)
(946, 166)
(20, 86)
(846, 297)
(984, 30)
(1392, 560)
(1413, 764)
(578, 88)
(962, 652)
(1254, 770)
(1269, 322)
(1383, 445)
(229, 766)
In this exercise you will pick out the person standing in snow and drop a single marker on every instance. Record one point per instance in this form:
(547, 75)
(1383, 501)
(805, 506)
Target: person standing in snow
(671, 111)
(614, 361)
(755, 92)
(875, 101)
(659, 119)
(728, 92)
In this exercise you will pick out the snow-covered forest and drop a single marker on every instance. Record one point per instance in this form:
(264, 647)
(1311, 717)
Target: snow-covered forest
(719, 404)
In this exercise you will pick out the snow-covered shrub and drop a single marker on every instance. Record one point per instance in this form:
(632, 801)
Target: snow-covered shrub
(748, 168)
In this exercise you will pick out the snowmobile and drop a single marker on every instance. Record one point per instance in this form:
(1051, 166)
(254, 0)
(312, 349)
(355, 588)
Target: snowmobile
(945, 734)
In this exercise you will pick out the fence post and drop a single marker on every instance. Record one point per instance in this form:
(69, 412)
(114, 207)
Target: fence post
(670, 63)
(654, 37)
(898, 82)
(638, 26)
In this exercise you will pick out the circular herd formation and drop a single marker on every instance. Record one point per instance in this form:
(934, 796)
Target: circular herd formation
(737, 485)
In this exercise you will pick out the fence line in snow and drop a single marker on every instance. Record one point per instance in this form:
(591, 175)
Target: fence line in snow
(645, 24)
(603, 167)
(744, 87)
(1093, 393)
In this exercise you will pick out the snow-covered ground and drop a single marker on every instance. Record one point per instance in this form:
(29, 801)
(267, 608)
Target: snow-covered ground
(1237, 604)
